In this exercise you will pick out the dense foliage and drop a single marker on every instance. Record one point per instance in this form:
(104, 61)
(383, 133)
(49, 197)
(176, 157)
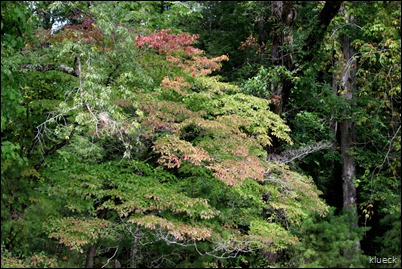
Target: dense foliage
(167, 134)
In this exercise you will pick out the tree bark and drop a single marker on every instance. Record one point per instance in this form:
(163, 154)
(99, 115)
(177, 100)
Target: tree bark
(349, 166)
(348, 87)
(344, 85)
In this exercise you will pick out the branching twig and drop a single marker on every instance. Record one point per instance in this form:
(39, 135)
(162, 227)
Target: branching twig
(41, 129)
(384, 160)
(108, 260)
(57, 146)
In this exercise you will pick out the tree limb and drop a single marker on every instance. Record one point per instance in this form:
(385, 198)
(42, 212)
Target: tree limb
(47, 67)
(58, 67)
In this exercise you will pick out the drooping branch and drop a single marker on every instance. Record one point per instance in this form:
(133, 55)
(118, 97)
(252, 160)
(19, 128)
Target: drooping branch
(222, 249)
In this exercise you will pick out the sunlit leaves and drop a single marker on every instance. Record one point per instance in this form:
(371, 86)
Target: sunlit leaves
(256, 110)
(11, 96)
(263, 83)
(10, 156)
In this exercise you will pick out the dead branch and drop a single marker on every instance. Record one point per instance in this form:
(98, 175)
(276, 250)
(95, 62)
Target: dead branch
(290, 155)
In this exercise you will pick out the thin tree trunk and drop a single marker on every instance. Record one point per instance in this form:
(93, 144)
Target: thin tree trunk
(89, 263)
(134, 249)
(91, 252)
(262, 39)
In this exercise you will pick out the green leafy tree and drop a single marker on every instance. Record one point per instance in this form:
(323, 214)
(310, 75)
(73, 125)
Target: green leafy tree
(159, 148)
